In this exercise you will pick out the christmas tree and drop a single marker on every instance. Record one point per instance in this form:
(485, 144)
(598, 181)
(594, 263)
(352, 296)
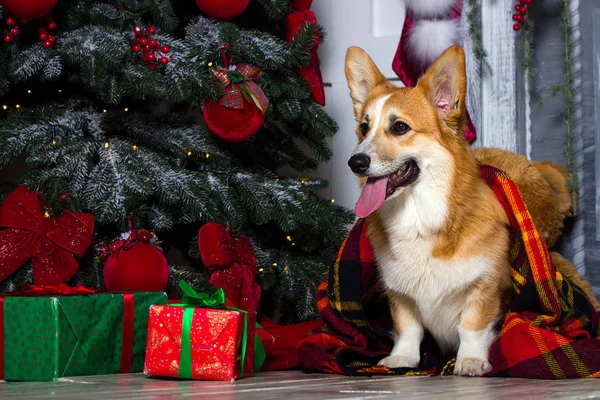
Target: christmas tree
(104, 99)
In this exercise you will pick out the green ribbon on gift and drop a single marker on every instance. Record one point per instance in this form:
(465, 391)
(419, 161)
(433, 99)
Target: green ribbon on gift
(192, 299)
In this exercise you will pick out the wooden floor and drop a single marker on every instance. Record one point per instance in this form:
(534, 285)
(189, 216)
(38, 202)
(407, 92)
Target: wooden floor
(296, 385)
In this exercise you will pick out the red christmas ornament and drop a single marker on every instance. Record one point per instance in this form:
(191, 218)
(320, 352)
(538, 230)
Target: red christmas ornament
(33, 233)
(138, 268)
(240, 113)
(27, 10)
(311, 72)
(222, 10)
(134, 264)
(232, 264)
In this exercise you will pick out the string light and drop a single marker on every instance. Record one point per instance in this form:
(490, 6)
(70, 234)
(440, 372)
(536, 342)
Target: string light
(289, 238)
(333, 200)
(286, 269)
(4, 107)
(29, 91)
(303, 181)
(17, 106)
(126, 109)
(207, 155)
(276, 179)
(134, 147)
(104, 111)
(210, 64)
(274, 264)
(59, 90)
(293, 244)
(189, 153)
(106, 145)
(54, 143)
(260, 270)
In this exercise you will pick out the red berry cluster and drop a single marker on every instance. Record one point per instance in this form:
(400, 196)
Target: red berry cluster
(44, 31)
(137, 236)
(152, 52)
(521, 10)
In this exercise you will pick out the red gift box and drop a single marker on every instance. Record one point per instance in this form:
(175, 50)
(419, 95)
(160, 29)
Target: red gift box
(185, 341)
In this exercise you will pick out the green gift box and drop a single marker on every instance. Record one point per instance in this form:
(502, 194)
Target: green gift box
(47, 337)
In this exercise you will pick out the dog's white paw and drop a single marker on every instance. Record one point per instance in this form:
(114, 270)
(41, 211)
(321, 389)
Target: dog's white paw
(399, 362)
(470, 366)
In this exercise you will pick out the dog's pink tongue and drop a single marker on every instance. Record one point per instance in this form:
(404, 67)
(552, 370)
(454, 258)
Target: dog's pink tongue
(372, 197)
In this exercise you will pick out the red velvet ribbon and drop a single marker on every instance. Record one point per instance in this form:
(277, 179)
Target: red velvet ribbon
(65, 290)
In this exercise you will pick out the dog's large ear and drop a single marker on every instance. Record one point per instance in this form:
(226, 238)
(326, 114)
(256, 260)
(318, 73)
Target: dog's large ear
(362, 75)
(445, 85)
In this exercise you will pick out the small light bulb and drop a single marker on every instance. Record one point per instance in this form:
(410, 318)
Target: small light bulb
(17, 106)
(333, 200)
(293, 244)
(289, 238)
(126, 109)
(260, 270)
(29, 91)
(207, 155)
(286, 269)
(189, 153)
(4, 107)
(106, 145)
(134, 147)
(210, 64)
(274, 264)
(54, 143)
(103, 110)
(59, 90)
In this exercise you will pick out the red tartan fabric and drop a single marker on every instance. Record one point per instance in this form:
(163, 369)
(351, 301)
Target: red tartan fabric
(551, 332)
(242, 88)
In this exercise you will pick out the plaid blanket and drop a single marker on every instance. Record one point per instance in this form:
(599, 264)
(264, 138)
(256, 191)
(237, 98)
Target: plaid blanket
(551, 331)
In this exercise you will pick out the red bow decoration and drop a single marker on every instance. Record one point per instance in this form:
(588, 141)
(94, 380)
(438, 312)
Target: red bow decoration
(232, 263)
(49, 241)
(60, 290)
(311, 72)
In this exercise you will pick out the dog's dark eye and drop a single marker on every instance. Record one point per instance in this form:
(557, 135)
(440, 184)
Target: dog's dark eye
(364, 128)
(400, 128)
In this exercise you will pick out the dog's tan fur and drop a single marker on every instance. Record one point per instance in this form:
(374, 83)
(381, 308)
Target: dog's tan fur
(460, 242)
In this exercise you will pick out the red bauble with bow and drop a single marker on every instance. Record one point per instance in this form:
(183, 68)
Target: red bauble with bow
(50, 241)
(232, 264)
(312, 71)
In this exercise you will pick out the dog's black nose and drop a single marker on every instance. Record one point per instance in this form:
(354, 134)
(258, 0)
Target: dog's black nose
(359, 163)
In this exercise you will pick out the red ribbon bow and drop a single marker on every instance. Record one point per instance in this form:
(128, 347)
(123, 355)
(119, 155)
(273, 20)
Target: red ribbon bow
(49, 241)
(232, 263)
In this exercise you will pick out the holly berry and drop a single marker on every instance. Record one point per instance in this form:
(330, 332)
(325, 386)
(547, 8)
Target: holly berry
(516, 27)
(14, 31)
(10, 21)
(47, 44)
(528, 1)
(153, 43)
(152, 67)
(52, 39)
(151, 57)
(152, 30)
(136, 48)
(164, 60)
(165, 49)
(516, 17)
(523, 10)
(144, 41)
(8, 38)
(43, 36)
(147, 48)
(52, 26)
(138, 31)
(521, 19)
(518, 8)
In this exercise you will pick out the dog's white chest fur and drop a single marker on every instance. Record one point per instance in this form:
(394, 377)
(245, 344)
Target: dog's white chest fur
(438, 286)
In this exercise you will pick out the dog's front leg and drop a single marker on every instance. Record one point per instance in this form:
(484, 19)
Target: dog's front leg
(408, 333)
(477, 330)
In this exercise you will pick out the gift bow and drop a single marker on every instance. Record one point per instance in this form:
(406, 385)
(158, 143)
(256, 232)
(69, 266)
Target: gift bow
(232, 264)
(239, 84)
(191, 299)
(49, 241)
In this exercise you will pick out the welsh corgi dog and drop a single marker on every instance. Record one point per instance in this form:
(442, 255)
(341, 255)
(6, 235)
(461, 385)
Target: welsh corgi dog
(437, 230)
